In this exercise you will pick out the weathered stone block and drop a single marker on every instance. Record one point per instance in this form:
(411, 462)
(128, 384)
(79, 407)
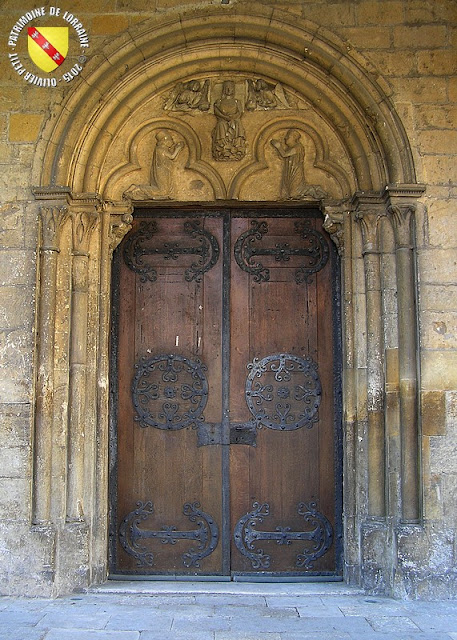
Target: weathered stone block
(108, 24)
(439, 370)
(11, 225)
(434, 117)
(367, 38)
(14, 498)
(16, 353)
(16, 267)
(422, 90)
(437, 63)
(433, 411)
(24, 127)
(16, 306)
(380, 13)
(15, 429)
(439, 330)
(420, 37)
(393, 63)
(438, 297)
(437, 141)
(10, 99)
(15, 462)
(438, 265)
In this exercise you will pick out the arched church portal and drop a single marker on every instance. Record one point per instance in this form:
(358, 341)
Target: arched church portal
(251, 165)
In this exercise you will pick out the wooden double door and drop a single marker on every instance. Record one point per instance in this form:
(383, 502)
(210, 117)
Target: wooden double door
(225, 410)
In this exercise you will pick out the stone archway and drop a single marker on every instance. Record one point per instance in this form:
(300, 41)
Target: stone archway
(287, 75)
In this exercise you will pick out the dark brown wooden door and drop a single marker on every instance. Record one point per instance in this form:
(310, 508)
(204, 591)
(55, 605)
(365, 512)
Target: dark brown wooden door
(225, 409)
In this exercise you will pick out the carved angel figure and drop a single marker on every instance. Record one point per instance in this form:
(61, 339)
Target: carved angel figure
(165, 152)
(265, 95)
(229, 142)
(293, 185)
(188, 96)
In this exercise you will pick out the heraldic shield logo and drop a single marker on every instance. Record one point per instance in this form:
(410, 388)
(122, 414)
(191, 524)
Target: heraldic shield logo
(48, 46)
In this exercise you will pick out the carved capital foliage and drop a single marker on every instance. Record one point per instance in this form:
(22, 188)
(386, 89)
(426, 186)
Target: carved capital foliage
(52, 218)
(369, 209)
(369, 221)
(82, 225)
(401, 217)
(400, 202)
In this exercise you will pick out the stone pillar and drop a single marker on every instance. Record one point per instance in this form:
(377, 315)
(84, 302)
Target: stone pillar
(338, 223)
(401, 213)
(52, 217)
(83, 223)
(368, 212)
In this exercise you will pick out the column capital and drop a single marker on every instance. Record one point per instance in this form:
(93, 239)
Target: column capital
(401, 205)
(52, 218)
(368, 209)
(334, 222)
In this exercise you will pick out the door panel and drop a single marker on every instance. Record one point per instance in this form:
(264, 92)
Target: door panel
(169, 349)
(225, 403)
(291, 465)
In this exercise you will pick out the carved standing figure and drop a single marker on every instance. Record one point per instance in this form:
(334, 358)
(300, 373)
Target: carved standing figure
(165, 152)
(293, 185)
(229, 142)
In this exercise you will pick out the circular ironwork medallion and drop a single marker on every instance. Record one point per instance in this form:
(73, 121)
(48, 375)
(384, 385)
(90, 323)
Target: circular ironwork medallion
(169, 392)
(283, 391)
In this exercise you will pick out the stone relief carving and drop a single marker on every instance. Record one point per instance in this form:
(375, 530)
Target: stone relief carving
(293, 184)
(189, 96)
(265, 96)
(161, 186)
(229, 141)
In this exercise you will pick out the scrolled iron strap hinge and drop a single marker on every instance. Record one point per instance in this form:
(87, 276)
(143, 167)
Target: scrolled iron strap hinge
(135, 250)
(206, 534)
(318, 540)
(315, 252)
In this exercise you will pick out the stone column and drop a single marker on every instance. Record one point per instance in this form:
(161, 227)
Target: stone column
(401, 216)
(368, 214)
(83, 223)
(52, 217)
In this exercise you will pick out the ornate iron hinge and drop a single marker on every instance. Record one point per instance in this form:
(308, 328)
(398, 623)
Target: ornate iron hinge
(319, 538)
(315, 251)
(206, 534)
(136, 248)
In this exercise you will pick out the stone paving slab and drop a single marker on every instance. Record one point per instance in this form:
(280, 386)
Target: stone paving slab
(225, 612)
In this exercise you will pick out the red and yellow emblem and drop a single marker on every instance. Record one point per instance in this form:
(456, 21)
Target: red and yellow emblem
(48, 46)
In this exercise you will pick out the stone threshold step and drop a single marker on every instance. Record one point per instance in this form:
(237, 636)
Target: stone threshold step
(210, 587)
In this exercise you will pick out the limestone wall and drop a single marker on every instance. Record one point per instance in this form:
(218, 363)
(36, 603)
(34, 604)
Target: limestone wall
(410, 48)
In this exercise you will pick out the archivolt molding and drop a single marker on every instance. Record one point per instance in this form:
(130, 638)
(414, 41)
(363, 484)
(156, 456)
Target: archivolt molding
(254, 39)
